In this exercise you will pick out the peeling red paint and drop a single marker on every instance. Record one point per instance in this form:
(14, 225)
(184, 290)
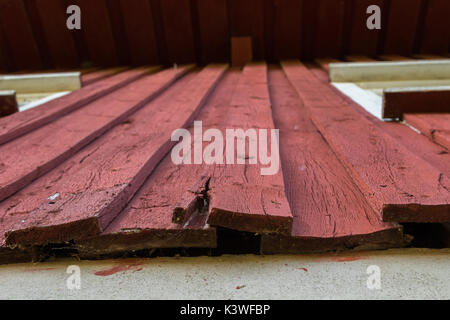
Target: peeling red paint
(119, 268)
(347, 259)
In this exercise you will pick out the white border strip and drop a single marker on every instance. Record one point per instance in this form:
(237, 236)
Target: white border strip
(369, 100)
(390, 70)
(36, 103)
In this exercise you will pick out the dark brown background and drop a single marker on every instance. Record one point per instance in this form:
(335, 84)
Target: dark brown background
(33, 34)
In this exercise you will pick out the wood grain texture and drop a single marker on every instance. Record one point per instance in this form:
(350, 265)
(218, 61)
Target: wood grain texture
(21, 123)
(329, 210)
(240, 197)
(19, 35)
(396, 182)
(43, 149)
(424, 100)
(435, 126)
(100, 74)
(107, 174)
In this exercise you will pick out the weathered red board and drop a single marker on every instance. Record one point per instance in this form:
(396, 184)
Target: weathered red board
(29, 120)
(329, 210)
(99, 181)
(363, 40)
(147, 220)
(287, 29)
(436, 126)
(240, 197)
(396, 182)
(396, 103)
(401, 26)
(62, 138)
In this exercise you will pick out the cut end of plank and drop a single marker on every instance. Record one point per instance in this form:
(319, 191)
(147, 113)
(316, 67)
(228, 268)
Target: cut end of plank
(385, 239)
(246, 222)
(41, 235)
(416, 213)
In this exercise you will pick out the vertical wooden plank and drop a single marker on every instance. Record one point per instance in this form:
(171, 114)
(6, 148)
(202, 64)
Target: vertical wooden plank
(178, 30)
(247, 19)
(8, 103)
(99, 38)
(241, 51)
(330, 26)
(214, 35)
(79, 39)
(57, 38)
(364, 41)
(18, 35)
(288, 29)
(34, 18)
(5, 60)
(138, 21)
(309, 25)
(401, 26)
(436, 32)
(118, 30)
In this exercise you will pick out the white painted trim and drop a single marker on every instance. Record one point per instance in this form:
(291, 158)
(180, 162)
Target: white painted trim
(369, 100)
(48, 98)
(41, 82)
(390, 70)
